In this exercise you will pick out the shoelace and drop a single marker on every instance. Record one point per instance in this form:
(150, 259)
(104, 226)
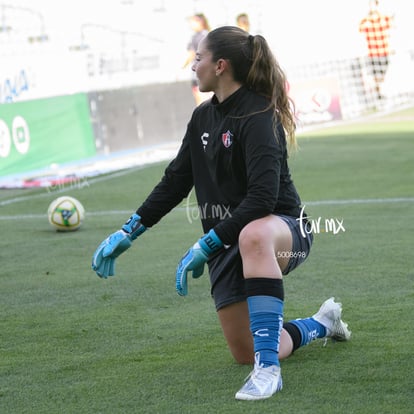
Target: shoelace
(256, 370)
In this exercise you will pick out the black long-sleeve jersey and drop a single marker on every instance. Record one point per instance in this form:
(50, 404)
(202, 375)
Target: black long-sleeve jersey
(236, 163)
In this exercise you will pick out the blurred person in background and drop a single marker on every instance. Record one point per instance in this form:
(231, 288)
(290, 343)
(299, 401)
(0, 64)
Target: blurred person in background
(376, 26)
(242, 21)
(200, 26)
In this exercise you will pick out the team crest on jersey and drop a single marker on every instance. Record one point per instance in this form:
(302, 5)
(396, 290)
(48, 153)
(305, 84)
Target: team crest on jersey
(227, 138)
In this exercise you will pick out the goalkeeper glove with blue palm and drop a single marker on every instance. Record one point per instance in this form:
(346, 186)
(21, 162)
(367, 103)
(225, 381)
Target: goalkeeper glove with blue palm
(103, 261)
(194, 260)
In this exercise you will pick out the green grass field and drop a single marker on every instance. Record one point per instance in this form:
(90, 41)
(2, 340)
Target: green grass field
(73, 343)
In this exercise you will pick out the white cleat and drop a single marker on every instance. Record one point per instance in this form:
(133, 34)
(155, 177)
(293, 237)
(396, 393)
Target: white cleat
(261, 383)
(329, 315)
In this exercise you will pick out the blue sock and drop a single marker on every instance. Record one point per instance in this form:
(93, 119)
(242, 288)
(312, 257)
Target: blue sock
(266, 321)
(309, 330)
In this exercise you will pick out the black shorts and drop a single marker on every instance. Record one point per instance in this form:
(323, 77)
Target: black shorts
(378, 65)
(226, 269)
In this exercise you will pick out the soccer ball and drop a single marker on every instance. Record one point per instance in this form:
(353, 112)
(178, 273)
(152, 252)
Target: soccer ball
(66, 213)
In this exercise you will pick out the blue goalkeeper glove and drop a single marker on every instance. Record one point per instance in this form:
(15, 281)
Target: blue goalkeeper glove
(103, 261)
(194, 260)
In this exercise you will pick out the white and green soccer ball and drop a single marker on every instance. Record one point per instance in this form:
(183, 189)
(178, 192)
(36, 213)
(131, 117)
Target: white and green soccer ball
(66, 213)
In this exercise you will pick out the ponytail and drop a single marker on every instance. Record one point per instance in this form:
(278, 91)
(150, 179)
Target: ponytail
(266, 77)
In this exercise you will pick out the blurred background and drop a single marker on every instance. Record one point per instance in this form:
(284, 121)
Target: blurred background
(91, 85)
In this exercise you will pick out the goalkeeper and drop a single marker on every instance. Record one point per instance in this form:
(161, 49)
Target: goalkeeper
(234, 154)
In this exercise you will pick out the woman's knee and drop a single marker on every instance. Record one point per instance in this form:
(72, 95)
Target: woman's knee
(253, 236)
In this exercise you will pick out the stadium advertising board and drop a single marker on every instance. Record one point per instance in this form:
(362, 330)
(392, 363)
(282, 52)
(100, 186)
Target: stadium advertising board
(37, 134)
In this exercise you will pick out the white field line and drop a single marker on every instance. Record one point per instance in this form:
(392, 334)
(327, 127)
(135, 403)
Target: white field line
(182, 208)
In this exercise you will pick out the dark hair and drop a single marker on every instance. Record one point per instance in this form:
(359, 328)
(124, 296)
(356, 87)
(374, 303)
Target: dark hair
(255, 67)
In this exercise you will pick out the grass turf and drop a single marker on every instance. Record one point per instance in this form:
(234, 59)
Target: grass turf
(72, 343)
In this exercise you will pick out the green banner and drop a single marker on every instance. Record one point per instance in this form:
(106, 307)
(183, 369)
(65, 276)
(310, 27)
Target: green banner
(37, 134)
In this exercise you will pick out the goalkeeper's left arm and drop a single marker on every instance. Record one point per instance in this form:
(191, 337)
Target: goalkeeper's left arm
(103, 261)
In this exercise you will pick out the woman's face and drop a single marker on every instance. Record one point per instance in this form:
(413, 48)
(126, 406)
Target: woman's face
(205, 68)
